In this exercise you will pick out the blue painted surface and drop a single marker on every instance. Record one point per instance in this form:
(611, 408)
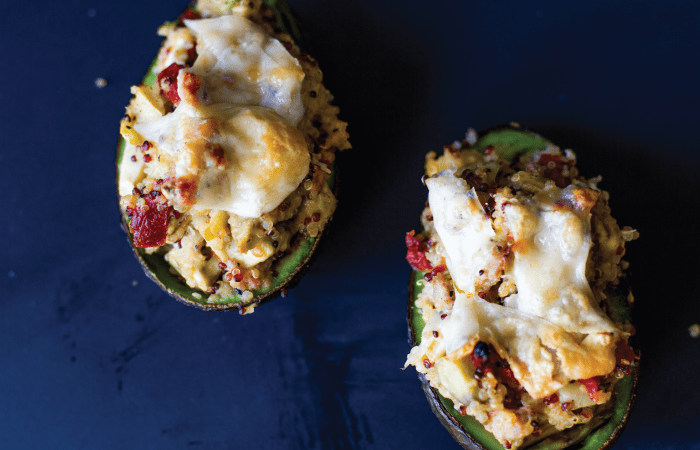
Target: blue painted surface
(94, 355)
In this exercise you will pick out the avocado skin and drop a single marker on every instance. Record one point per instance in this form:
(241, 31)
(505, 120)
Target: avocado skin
(154, 265)
(566, 439)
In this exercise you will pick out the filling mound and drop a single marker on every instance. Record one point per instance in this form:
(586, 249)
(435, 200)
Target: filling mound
(228, 154)
(520, 260)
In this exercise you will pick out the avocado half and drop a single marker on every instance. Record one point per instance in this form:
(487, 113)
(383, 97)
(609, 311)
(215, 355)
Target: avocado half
(510, 142)
(289, 269)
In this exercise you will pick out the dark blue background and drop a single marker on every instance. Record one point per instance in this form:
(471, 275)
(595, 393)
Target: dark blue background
(94, 355)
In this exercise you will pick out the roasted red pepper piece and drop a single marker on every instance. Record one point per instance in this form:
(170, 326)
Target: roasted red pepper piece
(416, 252)
(191, 55)
(592, 386)
(149, 225)
(417, 260)
(167, 81)
(546, 158)
(189, 15)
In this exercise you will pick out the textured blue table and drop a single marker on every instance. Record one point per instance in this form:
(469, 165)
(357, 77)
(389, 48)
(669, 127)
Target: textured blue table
(94, 355)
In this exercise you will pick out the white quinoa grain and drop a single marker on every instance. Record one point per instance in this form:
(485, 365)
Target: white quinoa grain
(471, 136)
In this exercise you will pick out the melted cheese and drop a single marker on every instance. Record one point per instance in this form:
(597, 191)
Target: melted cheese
(264, 157)
(463, 227)
(231, 143)
(551, 331)
(516, 336)
(242, 64)
(551, 248)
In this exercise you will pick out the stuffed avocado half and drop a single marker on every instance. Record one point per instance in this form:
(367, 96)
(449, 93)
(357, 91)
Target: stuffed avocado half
(518, 312)
(226, 168)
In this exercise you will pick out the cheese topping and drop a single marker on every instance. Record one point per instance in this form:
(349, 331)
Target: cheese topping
(518, 337)
(239, 159)
(551, 248)
(243, 64)
(232, 140)
(551, 330)
(463, 227)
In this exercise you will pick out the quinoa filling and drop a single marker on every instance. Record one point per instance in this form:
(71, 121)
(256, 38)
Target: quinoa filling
(228, 153)
(519, 260)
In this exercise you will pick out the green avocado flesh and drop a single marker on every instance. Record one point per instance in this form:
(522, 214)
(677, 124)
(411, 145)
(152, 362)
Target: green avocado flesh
(286, 269)
(509, 143)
